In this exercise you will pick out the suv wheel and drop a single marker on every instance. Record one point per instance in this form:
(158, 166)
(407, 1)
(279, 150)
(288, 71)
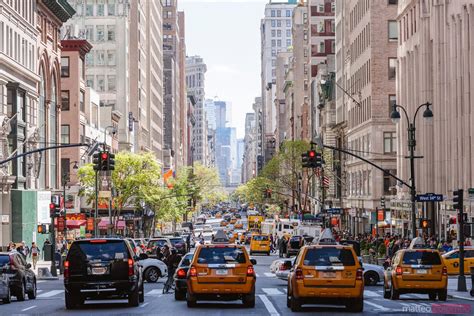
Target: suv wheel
(295, 304)
(32, 293)
(356, 306)
(152, 274)
(134, 298)
(179, 295)
(386, 292)
(8, 298)
(432, 296)
(249, 300)
(394, 294)
(443, 295)
(141, 296)
(72, 301)
(190, 300)
(20, 295)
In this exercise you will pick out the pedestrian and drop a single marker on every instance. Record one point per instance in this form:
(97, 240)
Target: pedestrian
(21, 249)
(34, 254)
(11, 246)
(166, 252)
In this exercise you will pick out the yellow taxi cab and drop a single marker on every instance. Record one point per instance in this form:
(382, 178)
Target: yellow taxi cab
(221, 271)
(260, 243)
(416, 270)
(233, 220)
(326, 273)
(451, 260)
(238, 225)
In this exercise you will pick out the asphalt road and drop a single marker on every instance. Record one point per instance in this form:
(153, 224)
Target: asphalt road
(271, 300)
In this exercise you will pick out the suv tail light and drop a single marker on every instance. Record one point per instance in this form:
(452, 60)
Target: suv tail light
(359, 274)
(181, 274)
(250, 271)
(399, 271)
(130, 267)
(193, 272)
(299, 274)
(445, 270)
(66, 269)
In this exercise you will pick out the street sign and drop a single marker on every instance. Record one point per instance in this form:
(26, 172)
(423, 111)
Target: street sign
(5, 219)
(429, 197)
(334, 211)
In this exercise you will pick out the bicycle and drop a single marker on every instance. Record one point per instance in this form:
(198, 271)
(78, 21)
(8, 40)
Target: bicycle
(169, 284)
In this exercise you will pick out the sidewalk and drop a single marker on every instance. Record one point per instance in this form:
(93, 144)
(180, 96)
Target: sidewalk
(453, 286)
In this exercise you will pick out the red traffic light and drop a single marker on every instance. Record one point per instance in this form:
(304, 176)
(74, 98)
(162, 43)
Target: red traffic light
(312, 153)
(104, 156)
(52, 206)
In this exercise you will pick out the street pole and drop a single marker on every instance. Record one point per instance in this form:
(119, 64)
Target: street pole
(64, 207)
(96, 201)
(411, 145)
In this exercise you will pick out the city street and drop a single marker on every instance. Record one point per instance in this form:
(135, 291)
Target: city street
(270, 301)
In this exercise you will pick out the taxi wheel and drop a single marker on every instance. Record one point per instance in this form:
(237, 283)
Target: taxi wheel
(386, 292)
(432, 296)
(295, 304)
(356, 306)
(394, 294)
(179, 295)
(249, 300)
(443, 295)
(190, 300)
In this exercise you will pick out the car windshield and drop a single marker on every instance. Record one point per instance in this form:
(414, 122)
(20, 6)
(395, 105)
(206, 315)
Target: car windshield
(421, 257)
(157, 243)
(221, 256)
(329, 257)
(4, 259)
(260, 238)
(175, 241)
(98, 251)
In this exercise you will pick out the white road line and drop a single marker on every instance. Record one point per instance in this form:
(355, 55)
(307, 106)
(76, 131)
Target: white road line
(144, 304)
(40, 281)
(368, 294)
(257, 275)
(269, 275)
(50, 293)
(380, 307)
(28, 308)
(154, 292)
(268, 305)
(272, 291)
(39, 291)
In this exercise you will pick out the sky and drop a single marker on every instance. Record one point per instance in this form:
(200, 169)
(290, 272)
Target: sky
(226, 34)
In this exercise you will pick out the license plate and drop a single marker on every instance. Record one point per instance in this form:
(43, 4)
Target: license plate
(221, 271)
(329, 274)
(99, 270)
(421, 271)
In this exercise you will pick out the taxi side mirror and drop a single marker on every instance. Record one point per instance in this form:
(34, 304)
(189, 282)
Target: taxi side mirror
(253, 261)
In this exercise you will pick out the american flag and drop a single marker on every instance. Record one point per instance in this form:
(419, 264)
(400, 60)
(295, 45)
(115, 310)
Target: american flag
(326, 181)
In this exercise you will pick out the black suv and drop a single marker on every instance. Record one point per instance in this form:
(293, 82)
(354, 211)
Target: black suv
(102, 268)
(22, 280)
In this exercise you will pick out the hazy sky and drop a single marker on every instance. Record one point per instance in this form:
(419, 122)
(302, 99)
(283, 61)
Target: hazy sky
(226, 33)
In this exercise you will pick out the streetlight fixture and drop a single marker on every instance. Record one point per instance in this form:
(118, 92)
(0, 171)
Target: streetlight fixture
(396, 117)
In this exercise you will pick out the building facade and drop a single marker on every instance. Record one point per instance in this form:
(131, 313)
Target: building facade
(249, 164)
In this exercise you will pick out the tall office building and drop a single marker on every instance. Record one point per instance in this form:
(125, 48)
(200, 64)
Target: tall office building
(195, 75)
(275, 31)
(249, 163)
(127, 80)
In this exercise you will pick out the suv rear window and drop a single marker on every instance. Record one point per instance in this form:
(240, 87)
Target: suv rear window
(421, 257)
(329, 257)
(260, 238)
(4, 259)
(157, 243)
(98, 251)
(175, 241)
(221, 255)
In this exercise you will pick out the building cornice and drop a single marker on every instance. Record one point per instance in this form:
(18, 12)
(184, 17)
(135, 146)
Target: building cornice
(80, 45)
(60, 8)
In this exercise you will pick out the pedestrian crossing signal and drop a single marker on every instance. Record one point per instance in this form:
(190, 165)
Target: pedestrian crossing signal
(42, 229)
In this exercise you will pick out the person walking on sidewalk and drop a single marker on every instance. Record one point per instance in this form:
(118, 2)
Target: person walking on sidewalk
(34, 254)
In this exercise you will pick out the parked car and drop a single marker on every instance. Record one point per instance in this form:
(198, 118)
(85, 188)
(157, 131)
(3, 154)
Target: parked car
(283, 269)
(153, 269)
(294, 245)
(180, 277)
(373, 273)
(135, 247)
(141, 242)
(274, 265)
(179, 244)
(156, 243)
(102, 269)
(22, 280)
(5, 293)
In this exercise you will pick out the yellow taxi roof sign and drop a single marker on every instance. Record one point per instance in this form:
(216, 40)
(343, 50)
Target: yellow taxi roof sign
(326, 238)
(417, 243)
(220, 237)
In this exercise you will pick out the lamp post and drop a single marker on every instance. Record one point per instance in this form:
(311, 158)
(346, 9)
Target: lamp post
(65, 180)
(395, 116)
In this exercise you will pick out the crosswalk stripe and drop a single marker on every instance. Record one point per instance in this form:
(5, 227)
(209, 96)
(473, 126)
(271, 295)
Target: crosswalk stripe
(369, 293)
(154, 292)
(257, 275)
(272, 291)
(39, 291)
(269, 274)
(50, 293)
(380, 307)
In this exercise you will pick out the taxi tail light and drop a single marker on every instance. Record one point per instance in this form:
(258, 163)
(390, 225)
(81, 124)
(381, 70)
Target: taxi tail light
(445, 270)
(130, 267)
(193, 272)
(399, 271)
(359, 274)
(299, 274)
(250, 271)
(181, 274)
(66, 269)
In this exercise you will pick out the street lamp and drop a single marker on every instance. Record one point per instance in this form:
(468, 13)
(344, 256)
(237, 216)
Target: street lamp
(395, 116)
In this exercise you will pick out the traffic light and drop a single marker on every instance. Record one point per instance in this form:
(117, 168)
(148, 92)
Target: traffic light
(312, 158)
(42, 229)
(305, 160)
(319, 160)
(104, 160)
(96, 161)
(425, 223)
(55, 206)
(382, 202)
(458, 199)
(111, 162)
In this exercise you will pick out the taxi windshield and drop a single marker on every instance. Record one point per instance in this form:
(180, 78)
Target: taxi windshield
(220, 256)
(260, 238)
(421, 257)
(329, 257)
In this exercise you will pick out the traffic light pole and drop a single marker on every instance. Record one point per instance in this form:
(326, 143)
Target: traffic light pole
(54, 272)
(461, 278)
(96, 201)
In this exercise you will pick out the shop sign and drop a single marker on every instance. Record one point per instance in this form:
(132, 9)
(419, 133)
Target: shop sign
(380, 215)
(90, 224)
(5, 219)
(43, 199)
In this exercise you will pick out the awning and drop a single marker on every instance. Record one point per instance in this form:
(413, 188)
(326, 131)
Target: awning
(104, 222)
(74, 223)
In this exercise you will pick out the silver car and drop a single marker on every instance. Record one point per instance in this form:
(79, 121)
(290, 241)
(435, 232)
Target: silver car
(283, 269)
(373, 273)
(5, 294)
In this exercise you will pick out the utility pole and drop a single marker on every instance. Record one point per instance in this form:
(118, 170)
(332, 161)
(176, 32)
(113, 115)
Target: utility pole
(458, 204)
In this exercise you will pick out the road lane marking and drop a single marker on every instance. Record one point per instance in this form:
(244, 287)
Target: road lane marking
(272, 291)
(39, 291)
(28, 308)
(154, 292)
(144, 304)
(380, 307)
(51, 293)
(40, 281)
(369, 293)
(268, 305)
(256, 274)
(269, 275)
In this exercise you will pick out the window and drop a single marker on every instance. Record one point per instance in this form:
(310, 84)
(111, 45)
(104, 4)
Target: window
(273, 43)
(288, 43)
(288, 13)
(65, 100)
(111, 7)
(288, 23)
(278, 13)
(90, 33)
(389, 139)
(273, 13)
(111, 57)
(278, 23)
(333, 7)
(100, 7)
(111, 32)
(392, 100)
(111, 83)
(82, 98)
(322, 47)
(321, 8)
(100, 83)
(273, 23)
(64, 66)
(100, 58)
(273, 33)
(392, 68)
(392, 31)
(90, 59)
(279, 43)
(392, 1)
(65, 134)
(288, 33)
(90, 81)
(274, 53)
(278, 33)
(90, 7)
(100, 33)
